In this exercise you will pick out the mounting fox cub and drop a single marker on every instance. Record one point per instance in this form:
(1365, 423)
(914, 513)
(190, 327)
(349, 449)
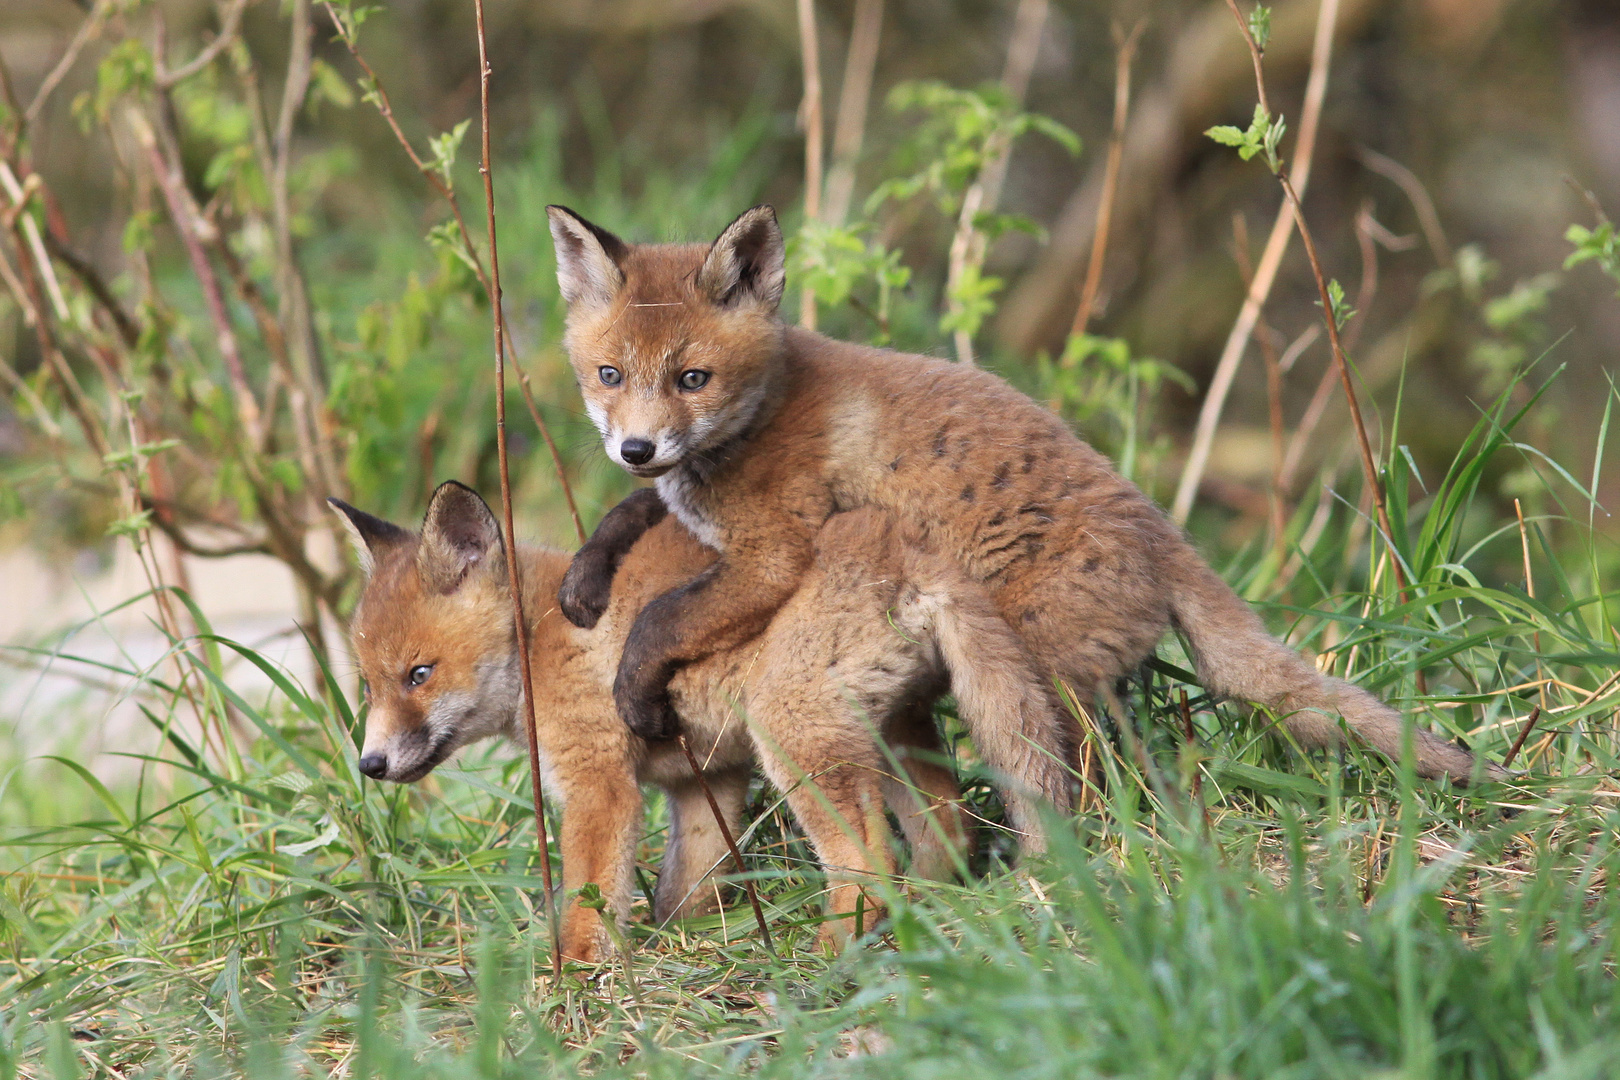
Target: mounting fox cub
(877, 630)
(756, 432)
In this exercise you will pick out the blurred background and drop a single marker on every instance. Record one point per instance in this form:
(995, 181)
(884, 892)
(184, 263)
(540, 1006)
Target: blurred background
(230, 291)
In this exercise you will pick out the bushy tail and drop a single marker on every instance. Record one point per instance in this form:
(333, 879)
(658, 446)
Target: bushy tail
(1237, 658)
(1016, 721)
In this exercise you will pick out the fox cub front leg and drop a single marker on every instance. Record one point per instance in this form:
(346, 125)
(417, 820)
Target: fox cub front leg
(588, 584)
(721, 608)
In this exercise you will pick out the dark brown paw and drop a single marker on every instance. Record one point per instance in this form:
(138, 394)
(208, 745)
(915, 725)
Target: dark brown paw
(585, 592)
(647, 715)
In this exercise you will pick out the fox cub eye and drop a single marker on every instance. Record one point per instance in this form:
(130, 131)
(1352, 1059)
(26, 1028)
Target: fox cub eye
(419, 674)
(693, 379)
(610, 376)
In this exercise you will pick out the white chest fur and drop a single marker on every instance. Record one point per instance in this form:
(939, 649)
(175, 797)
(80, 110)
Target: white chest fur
(676, 488)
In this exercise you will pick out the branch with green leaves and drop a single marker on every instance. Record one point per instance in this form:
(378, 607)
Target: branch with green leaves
(1263, 136)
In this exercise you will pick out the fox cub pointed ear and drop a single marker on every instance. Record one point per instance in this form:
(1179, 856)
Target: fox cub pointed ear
(747, 264)
(459, 536)
(587, 259)
(372, 536)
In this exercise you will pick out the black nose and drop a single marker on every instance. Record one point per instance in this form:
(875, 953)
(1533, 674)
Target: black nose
(374, 765)
(636, 451)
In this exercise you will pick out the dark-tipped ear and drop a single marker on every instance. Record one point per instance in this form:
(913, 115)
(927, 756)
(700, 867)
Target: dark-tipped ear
(747, 264)
(459, 535)
(588, 259)
(372, 536)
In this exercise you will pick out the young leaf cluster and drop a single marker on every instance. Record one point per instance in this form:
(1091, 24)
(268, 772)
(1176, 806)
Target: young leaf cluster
(1262, 136)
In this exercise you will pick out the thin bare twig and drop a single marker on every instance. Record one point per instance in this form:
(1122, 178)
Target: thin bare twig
(551, 445)
(1367, 241)
(229, 21)
(26, 392)
(20, 192)
(854, 96)
(1407, 181)
(519, 621)
(810, 119)
(15, 284)
(192, 229)
(306, 381)
(1342, 366)
(1524, 733)
(731, 844)
(1330, 322)
(1124, 53)
(57, 247)
(380, 97)
(87, 30)
(1265, 274)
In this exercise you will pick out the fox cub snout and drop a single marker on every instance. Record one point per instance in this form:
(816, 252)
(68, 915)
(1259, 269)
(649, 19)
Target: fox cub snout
(664, 377)
(429, 638)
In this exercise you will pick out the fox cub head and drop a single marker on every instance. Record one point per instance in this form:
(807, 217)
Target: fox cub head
(438, 658)
(676, 346)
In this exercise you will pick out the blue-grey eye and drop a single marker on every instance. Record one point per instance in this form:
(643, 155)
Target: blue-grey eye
(610, 376)
(693, 379)
(419, 674)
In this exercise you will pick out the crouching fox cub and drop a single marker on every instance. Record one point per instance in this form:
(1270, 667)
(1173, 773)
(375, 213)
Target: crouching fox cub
(757, 431)
(876, 631)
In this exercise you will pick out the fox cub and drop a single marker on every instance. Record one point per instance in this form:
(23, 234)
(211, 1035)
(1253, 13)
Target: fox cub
(876, 631)
(756, 432)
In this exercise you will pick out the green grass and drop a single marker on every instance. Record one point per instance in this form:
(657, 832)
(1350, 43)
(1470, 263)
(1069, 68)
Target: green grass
(1239, 909)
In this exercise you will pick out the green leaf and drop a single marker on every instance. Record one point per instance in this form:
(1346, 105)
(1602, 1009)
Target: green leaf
(1343, 312)
(326, 84)
(1266, 781)
(1601, 245)
(133, 525)
(1226, 135)
(1260, 25)
(444, 148)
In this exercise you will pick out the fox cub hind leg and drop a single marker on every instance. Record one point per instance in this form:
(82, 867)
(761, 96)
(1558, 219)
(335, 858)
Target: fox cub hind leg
(696, 847)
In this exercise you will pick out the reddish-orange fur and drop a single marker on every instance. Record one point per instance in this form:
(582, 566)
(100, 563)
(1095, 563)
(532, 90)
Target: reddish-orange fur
(786, 427)
(876, 632)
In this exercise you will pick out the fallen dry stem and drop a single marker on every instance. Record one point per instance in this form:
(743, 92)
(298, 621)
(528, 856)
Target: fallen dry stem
(519, 621)
(1524, 733)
